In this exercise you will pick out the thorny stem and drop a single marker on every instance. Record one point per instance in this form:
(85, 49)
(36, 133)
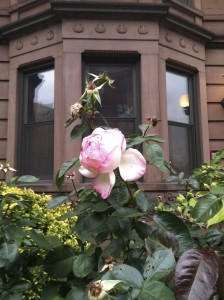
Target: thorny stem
(76, 192)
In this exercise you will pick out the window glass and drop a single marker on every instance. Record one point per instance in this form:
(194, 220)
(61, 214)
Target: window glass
(41, 97)
(181, 124)
(37, 139)
(118, 103)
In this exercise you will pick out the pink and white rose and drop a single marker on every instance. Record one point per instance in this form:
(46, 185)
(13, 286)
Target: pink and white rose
(104, 151)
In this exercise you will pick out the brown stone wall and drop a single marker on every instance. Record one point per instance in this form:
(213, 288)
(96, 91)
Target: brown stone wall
(4, 82)
(215, 93)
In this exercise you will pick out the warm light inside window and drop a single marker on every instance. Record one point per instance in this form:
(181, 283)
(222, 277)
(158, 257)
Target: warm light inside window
(184, 100)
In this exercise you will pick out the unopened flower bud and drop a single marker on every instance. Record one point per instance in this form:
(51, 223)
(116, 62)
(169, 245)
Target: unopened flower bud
(90, 86)
(76, 109)
(95, 290)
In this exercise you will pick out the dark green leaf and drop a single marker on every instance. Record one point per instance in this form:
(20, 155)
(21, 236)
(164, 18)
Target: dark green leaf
(161, 240)
(120, 227)
(77, 131)
(40, 240)
(159, 265)
(83, 265)
(8, 253)
(67, 165)
(59, 261)
(118, 197)
(126, 212)
(128, 274)
(77, 292)
(195, 275)
(206, 207)
(56, 201)
(169, 222)
(155, 290)
(143, 128)
(27, 179)
(144, 201)
(142, 229)
(51, 292)
(155, 154)
(70, 121)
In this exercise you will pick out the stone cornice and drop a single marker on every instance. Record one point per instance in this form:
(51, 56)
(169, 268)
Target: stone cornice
(178, 23)
(28, 24)
(108, 10)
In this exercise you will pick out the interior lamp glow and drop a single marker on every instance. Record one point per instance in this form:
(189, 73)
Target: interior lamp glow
(184, 103)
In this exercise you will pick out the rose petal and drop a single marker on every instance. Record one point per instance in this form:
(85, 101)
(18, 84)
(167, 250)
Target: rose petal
(132, 165)
(103, 184)
(87, 173)
(111, 161)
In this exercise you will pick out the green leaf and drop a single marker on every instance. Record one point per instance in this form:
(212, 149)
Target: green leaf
(145, 202)
(64, 168)
(51, 292)
(11, 296)
(142, 229)
(77, 292)
(206, 207)
(219, 156)
(143, 128)
(169, 222)
(126, 212)
(59, 261)
(135, 141)
(218, 218)
(77, 131)
(90, 225)
(155, 290)
(8, 253)
(83, 265)
(128, 274)
(57, 201)
(70, 121)
(160, 265)
(155, 154)
(27, 179)
(118, 197)
(40, 240)
(161, 240)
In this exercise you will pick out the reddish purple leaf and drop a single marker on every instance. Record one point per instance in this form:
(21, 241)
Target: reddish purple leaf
(195, 275)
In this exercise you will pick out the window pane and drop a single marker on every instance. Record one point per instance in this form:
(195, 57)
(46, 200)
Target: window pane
(181, 123)
(178, 108)
(41, 97)
(117, 102)
(37, 151)
(180, 144)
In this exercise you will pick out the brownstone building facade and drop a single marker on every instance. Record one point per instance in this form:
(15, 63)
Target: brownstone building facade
(166, 55)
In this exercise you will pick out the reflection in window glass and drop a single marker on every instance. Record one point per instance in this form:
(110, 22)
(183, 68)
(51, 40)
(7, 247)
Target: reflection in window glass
(180, 123)
(178, 109)
(41, 97)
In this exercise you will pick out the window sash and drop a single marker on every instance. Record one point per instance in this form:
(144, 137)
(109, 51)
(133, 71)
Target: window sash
(36, 139)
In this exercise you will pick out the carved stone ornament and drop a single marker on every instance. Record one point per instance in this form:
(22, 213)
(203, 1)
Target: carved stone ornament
(100, 28)
(182, 43)
(195, 48)
(121, 29)
(34, 40)
(143, 29)
(168, 37)
(78, 28)
(19, 45)
(50, 35)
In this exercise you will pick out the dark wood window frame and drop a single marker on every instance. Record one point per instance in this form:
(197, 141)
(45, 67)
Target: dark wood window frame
(24, 71)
